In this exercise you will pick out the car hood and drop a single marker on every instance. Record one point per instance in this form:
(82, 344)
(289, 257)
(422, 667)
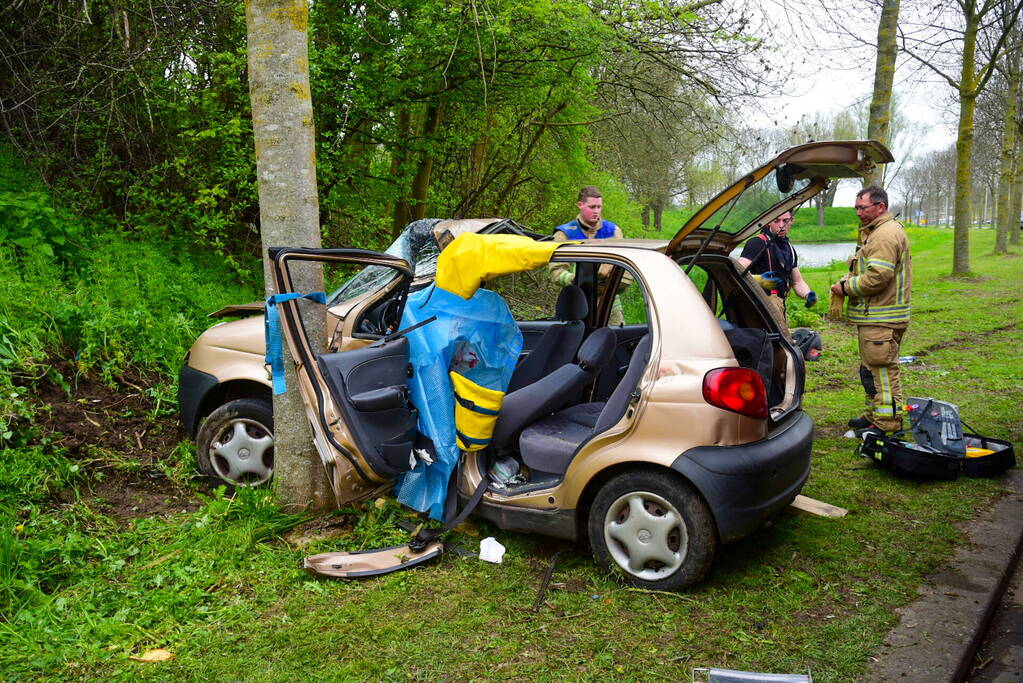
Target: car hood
(800, 173)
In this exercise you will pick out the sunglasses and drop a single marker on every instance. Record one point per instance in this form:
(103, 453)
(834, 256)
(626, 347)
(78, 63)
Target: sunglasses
(864, 208)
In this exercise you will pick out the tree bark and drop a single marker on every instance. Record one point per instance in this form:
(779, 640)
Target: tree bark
(964, 149)
(884, 76)
(282, 123)
(400, 213)
(421, 184)
(1007, 167)
(1015, 200)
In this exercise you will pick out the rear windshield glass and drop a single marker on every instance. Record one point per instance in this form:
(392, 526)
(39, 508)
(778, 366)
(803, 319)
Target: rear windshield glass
(738, 213)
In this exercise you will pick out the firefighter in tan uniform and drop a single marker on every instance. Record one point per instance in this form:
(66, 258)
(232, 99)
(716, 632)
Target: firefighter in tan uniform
(877, 290)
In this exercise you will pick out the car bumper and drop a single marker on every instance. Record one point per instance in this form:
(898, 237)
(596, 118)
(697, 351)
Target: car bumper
(193, 385)
(746, 485)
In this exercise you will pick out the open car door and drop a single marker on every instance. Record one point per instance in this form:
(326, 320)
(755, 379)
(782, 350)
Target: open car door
(355, 392)
(800, 173)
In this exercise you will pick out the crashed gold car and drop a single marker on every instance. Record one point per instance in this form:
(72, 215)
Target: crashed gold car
(656, 440)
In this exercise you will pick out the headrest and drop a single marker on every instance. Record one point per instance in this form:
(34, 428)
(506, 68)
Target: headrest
(571, 303)
(597, 349)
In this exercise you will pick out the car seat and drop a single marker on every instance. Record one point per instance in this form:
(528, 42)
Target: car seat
(559, 342)
(520, 408)
(549, 444)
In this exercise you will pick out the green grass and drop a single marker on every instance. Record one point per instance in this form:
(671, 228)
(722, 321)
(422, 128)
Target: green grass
(81, 592)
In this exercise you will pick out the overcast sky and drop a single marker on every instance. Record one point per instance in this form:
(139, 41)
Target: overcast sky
(829, 75)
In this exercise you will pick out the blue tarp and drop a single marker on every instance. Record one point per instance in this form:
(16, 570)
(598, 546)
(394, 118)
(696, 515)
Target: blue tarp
(477, 338)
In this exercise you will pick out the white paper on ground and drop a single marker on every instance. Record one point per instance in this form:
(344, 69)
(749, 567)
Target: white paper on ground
(491, 550)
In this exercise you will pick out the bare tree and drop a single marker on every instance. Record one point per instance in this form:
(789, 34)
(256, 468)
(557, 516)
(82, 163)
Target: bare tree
(282, 122)
(976, 45)
(884, 77)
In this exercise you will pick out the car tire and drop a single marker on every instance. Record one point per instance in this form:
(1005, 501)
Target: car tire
(653, 529)
(235, 443)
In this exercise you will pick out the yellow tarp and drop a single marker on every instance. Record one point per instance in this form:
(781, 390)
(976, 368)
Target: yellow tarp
(471, 259)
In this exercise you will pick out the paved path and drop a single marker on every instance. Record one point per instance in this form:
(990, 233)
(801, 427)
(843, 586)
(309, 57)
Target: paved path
(937, 636)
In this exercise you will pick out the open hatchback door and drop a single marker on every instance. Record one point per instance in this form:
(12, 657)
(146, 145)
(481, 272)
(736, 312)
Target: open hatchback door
(782, 184)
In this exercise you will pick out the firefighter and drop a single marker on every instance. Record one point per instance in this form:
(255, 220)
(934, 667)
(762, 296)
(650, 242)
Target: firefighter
(773, 262)
(877, 288)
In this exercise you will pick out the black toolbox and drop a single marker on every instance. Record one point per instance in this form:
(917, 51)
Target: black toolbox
(942, 449)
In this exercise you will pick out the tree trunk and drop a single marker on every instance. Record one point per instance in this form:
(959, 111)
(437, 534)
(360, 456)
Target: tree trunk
(658, 218)
(401, 211)
(1007, 170)
(884, 76)
(964, 150)
(282, 124)
(1015, 201)
(645, 217)
(421, 184)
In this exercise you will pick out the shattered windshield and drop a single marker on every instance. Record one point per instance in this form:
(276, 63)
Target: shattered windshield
(415, 244)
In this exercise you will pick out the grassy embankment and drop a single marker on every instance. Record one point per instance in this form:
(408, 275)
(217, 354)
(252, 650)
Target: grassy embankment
(80, 591)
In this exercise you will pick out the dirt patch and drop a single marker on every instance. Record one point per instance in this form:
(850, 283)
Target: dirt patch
(320, 529)
(982, 334)
(120, 436)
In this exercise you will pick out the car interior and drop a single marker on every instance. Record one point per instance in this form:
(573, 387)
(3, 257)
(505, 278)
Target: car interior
(574, 378)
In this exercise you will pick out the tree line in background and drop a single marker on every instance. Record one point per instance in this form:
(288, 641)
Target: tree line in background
(140, 109)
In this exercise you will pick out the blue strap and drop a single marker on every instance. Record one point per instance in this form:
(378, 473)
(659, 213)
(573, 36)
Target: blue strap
(274, 340)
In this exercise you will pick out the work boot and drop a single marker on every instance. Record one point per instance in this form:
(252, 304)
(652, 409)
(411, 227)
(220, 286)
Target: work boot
(870, 430)
(859, 423)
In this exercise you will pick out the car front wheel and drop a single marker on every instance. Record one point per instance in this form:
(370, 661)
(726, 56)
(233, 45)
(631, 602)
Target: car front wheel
(654, 529)
(236, 443)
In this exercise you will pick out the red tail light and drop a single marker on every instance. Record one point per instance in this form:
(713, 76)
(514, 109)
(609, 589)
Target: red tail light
(739, 390)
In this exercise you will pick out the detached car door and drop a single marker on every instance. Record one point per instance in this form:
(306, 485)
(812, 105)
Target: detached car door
(352, 375)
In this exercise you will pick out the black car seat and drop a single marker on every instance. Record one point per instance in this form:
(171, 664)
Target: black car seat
(520, 408)
(549, 444)
(559, 342)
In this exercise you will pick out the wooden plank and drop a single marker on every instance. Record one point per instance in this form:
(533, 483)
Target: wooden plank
(817, 507)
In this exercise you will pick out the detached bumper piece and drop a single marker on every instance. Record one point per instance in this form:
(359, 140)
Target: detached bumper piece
(367, 563)
(984, 457)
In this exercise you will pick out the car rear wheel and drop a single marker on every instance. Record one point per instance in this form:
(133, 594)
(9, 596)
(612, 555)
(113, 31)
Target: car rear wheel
(654, 529)
(236, 443)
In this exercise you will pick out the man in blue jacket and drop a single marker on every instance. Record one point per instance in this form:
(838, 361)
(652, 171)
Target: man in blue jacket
(588, 225)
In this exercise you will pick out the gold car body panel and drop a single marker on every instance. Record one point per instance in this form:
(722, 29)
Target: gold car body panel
(671, 414)
(231, 351)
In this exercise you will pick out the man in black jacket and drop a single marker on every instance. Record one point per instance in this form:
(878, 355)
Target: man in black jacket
(773, 262)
